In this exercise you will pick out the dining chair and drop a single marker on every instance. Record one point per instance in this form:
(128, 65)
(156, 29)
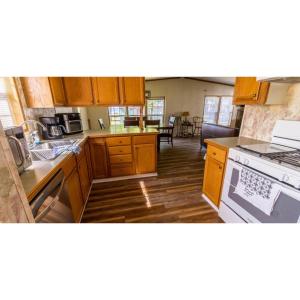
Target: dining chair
(101, 124)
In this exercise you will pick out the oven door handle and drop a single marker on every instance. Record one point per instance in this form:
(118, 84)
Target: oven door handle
(56, 183)
(20, 150)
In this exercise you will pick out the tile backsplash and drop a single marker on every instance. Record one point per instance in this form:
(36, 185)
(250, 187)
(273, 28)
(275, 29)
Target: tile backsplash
(259, 120)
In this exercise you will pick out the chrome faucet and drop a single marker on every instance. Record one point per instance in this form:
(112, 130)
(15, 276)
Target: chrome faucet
(33, 134)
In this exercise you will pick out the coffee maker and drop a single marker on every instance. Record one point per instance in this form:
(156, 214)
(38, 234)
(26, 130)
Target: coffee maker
(53, 131)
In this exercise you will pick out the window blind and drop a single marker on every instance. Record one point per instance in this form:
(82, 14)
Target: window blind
(5, 113)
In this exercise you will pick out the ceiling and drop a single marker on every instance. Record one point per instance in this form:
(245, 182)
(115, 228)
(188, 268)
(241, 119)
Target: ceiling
(226, 80)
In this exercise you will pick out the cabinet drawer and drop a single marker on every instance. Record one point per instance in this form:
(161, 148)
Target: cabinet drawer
(144, 139)
(117, 141)
(121, 170)
(68, 165)
(216, 153)
(119, 150)
(118, 159)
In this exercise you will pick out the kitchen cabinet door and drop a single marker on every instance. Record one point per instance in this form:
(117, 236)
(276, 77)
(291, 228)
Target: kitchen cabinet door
(98, 157)
(213, 179)
(145, 158)
(132, 90)
(84, 178)
(58, 93)
(248, 90)
(106, 90)
(78, 91)
(88, 160)
(37, 92)
(73, 190)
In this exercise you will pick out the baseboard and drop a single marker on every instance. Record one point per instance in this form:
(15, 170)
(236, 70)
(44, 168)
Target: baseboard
(124, 177)
(210, 203)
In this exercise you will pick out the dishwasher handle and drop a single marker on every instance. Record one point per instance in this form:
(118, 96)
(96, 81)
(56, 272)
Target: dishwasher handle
(51, 193)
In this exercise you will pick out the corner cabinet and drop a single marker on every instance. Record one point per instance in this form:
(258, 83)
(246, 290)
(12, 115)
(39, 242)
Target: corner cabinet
(248, 90)
(214, 172)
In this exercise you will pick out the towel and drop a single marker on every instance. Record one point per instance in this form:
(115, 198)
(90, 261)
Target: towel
(60, 149)
(257, 190)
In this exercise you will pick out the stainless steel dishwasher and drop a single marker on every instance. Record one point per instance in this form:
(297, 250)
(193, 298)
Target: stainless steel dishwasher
(52, 205)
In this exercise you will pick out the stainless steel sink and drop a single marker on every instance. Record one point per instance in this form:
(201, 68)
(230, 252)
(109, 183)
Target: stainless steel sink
(50, 150)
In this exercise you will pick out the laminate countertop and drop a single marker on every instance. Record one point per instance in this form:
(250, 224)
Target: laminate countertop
(231, 142)
(40, 172)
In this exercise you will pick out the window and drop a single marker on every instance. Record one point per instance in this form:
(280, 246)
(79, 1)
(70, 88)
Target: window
(116, 115)
(155, 109)
(6, 116)
(218, 110)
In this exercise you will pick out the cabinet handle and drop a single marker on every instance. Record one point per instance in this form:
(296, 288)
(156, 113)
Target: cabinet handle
(220, 168)
(214, 153)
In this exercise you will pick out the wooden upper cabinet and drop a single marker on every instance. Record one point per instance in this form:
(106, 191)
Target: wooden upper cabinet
(248, 90)
(78, 91)
(58, 93)
(37, 92)
(132, 90)
(106, 90)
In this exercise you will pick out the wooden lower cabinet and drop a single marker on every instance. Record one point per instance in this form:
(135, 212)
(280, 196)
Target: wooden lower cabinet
(214, 173)
(84, 178)
(73, 189)
(88, 160)
(98, 157)
(145, 158)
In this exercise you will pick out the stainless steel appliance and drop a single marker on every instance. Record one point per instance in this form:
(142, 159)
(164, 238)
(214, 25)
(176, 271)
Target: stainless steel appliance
(53, 129)
(70, 122)
(52, 205)
(262, 181)
(19, 147)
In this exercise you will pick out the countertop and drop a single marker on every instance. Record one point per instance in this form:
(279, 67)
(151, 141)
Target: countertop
(231, 142)
(39, 173)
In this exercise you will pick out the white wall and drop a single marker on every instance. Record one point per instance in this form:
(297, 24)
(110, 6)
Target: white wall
(181, 95)
(186, 94)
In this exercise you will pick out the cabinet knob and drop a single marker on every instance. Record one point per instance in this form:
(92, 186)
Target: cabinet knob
(214, 153)
(220, 168)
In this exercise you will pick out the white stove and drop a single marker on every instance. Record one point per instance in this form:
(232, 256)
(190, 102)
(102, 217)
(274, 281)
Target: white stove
(262, 181)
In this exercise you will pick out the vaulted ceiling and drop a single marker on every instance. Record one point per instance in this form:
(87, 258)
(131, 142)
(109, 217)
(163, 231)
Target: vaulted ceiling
(225, 80)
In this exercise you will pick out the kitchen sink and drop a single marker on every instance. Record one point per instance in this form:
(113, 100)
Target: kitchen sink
(50, 150)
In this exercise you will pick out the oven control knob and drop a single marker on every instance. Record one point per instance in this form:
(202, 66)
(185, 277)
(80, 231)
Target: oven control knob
(246, 161)
(237, 158)
(285, 178)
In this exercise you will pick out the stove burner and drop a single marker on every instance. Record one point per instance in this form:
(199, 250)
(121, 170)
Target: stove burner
(292, 157)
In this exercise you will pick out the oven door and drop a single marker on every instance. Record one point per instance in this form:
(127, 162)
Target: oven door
(286, 209)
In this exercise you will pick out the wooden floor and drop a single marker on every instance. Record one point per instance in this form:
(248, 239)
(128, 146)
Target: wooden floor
(173, 196)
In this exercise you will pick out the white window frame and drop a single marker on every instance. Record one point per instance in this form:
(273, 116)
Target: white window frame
(219, 106)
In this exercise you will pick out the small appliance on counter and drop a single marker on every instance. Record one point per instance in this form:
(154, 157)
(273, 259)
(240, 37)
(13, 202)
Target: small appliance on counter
(70, 122)
(19, 147)
(54, 130)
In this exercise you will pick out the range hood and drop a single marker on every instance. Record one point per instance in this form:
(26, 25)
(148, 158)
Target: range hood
(280, 79)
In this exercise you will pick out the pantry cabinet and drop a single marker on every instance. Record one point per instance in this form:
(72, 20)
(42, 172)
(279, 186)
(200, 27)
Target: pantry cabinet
(132, 90)
(248, 90)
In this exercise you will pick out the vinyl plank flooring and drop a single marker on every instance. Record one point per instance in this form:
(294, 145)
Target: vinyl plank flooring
(174, 196)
